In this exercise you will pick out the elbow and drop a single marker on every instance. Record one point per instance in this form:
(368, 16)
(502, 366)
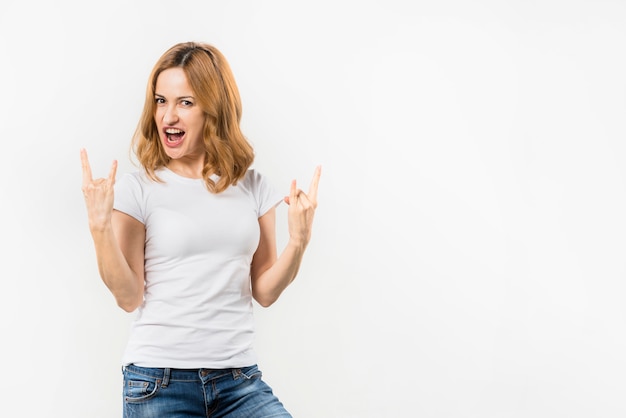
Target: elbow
(128, 299)
(265, 303)
(128, 305)
(265, 300)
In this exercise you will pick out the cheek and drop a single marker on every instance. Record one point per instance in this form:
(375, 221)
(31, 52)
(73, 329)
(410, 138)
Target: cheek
(198, 128)
(158, 116)
(198, 139)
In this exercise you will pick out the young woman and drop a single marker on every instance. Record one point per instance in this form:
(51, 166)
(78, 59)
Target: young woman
(189, 240)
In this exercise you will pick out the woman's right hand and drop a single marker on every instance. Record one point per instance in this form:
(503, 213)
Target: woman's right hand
(118, 239)
(98, 194)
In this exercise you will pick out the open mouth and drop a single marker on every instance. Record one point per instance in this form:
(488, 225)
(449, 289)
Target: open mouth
(174, 136)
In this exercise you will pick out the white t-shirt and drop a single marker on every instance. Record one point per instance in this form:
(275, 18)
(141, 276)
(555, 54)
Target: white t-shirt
(197, 309)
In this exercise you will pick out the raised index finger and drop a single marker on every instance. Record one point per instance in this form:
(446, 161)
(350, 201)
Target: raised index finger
(112, 172)
(86, 168)
(314, 183)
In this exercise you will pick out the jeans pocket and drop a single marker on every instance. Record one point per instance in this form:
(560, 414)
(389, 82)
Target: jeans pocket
(139, 388)
(251, 372)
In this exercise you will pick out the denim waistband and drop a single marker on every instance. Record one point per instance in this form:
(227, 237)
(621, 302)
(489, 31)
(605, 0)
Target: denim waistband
(169, 374)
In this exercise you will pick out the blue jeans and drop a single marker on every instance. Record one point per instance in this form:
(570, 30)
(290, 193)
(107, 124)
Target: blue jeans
(169, 393)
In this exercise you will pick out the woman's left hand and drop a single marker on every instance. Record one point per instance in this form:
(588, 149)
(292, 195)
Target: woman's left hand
(302, 210)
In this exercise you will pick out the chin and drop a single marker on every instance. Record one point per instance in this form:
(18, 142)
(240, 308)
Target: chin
(173, 154)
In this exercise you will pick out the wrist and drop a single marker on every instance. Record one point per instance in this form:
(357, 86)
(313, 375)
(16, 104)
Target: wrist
(297, 244)
(99, 228)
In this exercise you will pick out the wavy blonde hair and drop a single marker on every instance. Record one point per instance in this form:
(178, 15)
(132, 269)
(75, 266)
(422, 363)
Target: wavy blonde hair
(228, 152)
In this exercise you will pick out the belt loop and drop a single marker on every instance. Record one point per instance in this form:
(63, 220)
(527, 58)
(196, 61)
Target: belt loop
(166, 377)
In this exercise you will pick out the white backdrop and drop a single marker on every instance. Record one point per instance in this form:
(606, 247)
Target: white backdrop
(468, 257)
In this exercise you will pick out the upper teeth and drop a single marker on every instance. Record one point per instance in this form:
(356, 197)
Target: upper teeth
(173, 131)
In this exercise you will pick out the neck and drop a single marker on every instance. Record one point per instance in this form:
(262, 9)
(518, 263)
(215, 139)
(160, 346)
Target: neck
(188, 169)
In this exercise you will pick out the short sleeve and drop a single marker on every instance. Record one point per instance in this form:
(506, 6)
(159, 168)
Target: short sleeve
(266, 196)
(128, 196)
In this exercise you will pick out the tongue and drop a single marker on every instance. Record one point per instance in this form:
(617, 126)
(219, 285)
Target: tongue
(174, 139)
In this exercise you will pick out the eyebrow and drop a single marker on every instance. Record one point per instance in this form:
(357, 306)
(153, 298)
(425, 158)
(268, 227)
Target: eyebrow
(178, 98)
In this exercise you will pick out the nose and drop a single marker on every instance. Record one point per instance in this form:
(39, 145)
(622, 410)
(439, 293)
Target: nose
(170, 117)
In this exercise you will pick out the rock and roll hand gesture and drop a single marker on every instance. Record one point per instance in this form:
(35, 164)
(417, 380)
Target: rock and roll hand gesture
(302, 209)
(98, 194)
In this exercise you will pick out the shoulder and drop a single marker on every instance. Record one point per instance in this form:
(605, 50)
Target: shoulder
(261, 189)
(139, 177)
(253, 179)
(133, 182)
(136, 176)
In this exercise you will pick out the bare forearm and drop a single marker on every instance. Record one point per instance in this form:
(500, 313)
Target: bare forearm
(269, 285)
(270, 274)
(124, 284)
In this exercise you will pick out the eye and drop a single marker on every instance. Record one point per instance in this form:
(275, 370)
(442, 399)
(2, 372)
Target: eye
(186, 103)
(159, 100)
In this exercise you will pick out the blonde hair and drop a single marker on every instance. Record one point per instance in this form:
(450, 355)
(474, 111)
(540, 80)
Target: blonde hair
(228, 152)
